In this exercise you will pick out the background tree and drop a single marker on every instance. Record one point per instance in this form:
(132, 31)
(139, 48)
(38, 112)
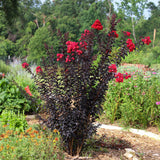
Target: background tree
(133, 10)
(10, 9)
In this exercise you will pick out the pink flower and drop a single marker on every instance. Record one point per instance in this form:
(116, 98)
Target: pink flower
(28, 90)
(59, 56)
(97, 25)
(79, 52)
(157, 103)
(38, 69)
(25, 65)
(68, 59)
(119, 77)
(73, 58)
(112, 68)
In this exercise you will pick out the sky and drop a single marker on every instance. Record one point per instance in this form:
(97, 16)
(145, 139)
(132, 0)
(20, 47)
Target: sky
(146, 12)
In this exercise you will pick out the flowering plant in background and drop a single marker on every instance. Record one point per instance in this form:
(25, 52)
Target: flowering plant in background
(2, 75)
(74, 88)
(157, 103)
(135, 102)
(146, 40)
(119, 77)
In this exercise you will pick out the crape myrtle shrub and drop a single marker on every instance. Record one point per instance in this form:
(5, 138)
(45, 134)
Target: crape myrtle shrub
(74, 88)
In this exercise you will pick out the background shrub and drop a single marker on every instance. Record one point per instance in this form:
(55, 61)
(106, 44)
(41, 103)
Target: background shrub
(3, 67)
(134, 101)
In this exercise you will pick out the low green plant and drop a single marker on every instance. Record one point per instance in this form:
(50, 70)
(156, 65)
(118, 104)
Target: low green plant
(134, 101)
(16, 122)
(12, 98)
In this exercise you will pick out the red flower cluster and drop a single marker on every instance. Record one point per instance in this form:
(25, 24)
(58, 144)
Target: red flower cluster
(119, 77)
(146, 40)
(130, 45)
(97, 25)
(28, 90)
(113, 34)
(25, 65)
(126, 33)
(72, 46)
(39, 69)
(112, 68)
(59, 56)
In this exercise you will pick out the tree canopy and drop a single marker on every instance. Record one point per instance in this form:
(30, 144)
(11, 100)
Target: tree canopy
(25, 25)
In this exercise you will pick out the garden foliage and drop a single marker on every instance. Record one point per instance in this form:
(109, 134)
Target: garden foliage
(74, 88)
(134, 101)
(11, 98)
(16, 122)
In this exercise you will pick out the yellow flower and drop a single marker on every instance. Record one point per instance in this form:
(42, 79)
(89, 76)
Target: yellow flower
(55, 130)
(12, 148)
(20, 139)
(35, 131)
(32, 135)
(29, 129)
(6, 136)
(7, 146)
(56, 139)
(1, 148)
